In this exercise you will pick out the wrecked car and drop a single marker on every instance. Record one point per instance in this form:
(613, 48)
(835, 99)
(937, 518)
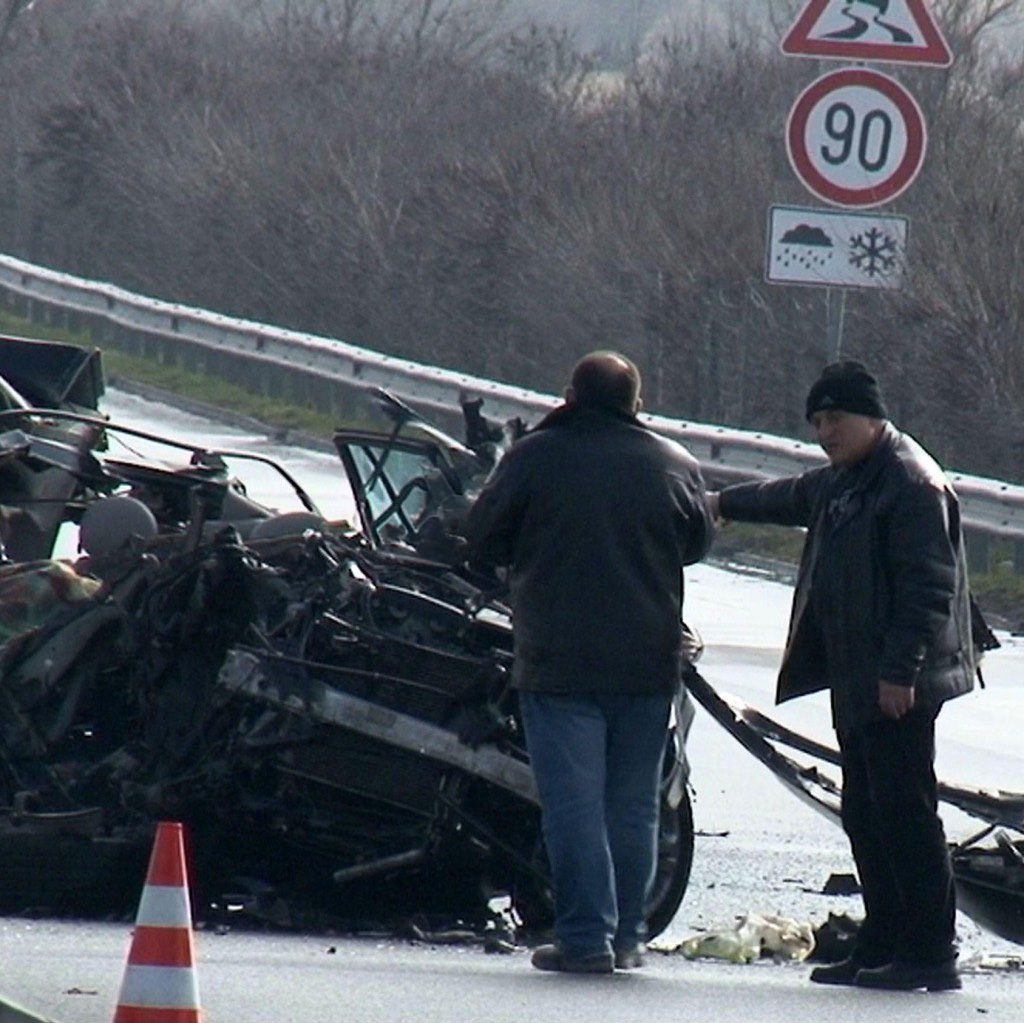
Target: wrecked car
(326, 706)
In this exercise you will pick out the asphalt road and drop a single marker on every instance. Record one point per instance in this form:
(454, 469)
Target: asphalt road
(71, 972)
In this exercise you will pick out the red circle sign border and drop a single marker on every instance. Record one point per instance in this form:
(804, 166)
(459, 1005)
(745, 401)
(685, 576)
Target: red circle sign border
(814, 180)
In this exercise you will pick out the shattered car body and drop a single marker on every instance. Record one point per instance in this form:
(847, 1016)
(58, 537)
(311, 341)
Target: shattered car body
(34, 490)
(326, 708)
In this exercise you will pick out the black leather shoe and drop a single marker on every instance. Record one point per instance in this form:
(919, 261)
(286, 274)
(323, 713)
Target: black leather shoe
(899, 976)
(631, 958)
(843, 972)
(551, 957)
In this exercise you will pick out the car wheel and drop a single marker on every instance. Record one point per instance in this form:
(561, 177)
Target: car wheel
(675, 858)
(534, 901)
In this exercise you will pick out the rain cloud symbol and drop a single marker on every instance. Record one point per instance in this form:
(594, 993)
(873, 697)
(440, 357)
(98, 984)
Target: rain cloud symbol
(805, 246)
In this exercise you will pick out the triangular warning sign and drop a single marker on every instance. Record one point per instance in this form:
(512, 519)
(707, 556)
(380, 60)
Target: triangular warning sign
(894, 31)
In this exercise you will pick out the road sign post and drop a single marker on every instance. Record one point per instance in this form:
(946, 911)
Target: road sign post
(835, 313)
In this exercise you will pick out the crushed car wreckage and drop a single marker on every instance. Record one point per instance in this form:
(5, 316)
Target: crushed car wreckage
(327, 708)
(325, 705)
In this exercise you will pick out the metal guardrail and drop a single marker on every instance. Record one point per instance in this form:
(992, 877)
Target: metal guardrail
(989, 506)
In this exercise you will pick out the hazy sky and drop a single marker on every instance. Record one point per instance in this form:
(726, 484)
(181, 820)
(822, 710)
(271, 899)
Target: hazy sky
(621, 27)
(600, 23)
(610, 24)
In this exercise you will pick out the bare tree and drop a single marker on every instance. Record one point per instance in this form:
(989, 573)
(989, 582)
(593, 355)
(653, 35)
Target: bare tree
(411, 176)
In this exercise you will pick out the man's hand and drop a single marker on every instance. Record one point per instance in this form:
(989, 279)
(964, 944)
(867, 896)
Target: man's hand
(713, 502)
(895, 701)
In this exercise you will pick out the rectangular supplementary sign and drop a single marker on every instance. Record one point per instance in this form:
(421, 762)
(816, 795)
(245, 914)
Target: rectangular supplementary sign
(835, 248)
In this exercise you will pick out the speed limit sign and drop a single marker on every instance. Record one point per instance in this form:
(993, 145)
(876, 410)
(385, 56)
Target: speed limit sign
(856, 137)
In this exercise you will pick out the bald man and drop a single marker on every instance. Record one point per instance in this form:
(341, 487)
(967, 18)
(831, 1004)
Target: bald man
(595, 515)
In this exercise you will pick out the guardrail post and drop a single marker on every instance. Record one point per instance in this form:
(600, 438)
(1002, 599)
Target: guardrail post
(1018, 557)
(98, 329)
(16, 303)
(978, 547)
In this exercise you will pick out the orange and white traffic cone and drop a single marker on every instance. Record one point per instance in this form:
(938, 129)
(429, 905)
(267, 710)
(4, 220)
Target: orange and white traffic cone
(159, 984)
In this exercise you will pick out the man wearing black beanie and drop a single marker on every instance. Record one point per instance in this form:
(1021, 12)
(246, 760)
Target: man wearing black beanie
(881, 617)
(847, 386)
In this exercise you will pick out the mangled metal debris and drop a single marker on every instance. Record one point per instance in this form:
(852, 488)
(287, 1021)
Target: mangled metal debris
(327, 708)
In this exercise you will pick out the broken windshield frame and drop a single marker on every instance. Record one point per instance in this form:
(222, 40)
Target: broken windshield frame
(401, 484)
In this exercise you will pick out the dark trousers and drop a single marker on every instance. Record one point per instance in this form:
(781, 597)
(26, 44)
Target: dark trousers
(890, 814)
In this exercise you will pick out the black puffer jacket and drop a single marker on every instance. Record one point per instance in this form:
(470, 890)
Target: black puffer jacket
(596, 515)
(882, 589)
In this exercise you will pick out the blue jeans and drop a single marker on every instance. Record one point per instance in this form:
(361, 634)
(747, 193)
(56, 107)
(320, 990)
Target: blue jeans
(597, 759)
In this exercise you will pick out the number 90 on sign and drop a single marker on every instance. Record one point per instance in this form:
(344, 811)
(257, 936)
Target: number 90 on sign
(856, 137)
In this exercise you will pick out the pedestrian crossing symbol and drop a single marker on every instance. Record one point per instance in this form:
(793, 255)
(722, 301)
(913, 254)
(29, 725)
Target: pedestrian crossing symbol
(893, 31)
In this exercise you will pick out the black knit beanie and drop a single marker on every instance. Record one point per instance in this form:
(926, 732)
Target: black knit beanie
(846, 386)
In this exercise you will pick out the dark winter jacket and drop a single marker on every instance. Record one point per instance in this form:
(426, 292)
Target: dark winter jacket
(595, 515)
(882, 589)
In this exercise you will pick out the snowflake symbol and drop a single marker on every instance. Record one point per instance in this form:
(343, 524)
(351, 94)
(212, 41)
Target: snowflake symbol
(873, 252)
